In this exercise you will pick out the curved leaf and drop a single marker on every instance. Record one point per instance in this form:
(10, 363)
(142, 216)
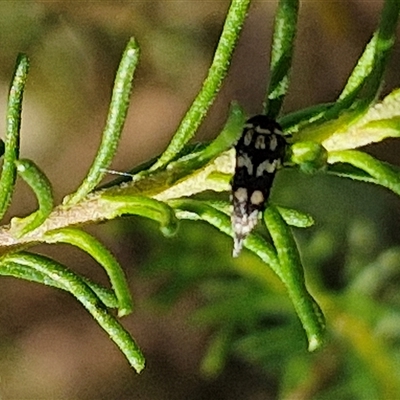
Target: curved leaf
(368, 73)
(382, 173)
(295, 218)
(291, 123)
(78, 288)
(146, 207)
(92, 246)
(194, 162)
(20, 271)
(366, 79)
(41, 186)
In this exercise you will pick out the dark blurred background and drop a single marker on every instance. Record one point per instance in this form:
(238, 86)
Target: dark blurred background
(50, 347)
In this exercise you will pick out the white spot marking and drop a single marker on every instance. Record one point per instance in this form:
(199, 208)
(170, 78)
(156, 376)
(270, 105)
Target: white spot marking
(245, 161)
(257, 198)
(271, 167)
(265, 166)
(260, 142)
(247, 137)
(258, 129)
(241, 195)
(273, 144)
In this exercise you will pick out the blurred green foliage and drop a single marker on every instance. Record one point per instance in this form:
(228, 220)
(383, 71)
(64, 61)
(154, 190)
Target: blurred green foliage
(352, 260)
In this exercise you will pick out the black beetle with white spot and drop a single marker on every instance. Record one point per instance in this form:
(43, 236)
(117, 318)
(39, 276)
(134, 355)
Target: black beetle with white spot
(259, 152)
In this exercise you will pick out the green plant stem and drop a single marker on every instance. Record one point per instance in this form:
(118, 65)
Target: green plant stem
(105, 205)
(211, 85)
(115, 122)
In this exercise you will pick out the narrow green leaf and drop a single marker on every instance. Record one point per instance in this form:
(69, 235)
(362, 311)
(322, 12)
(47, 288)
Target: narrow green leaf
(321, 133)
(225, 140)
(115, 122)
(366, 78)
(211, 85)
(389, 127)
(13, 125)
(15, 270)
(41, 186)
(192, 172)
(94, 248)
(78, 288)
(281, 55)
(358, 77)
(145, 207)
(229, 135)
(382, 173)
(349, 171)
(295, 218)
(220, 178)
(107, 296)
(385, 40)
(291, 123)
(293, 277)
